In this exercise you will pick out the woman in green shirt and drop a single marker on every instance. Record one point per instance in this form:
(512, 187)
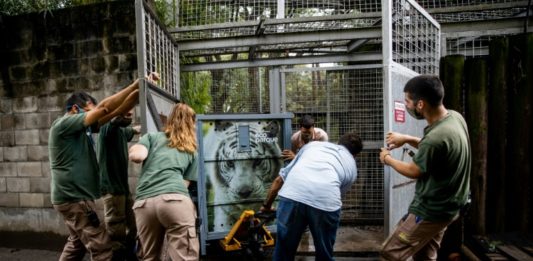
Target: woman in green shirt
(162, 204)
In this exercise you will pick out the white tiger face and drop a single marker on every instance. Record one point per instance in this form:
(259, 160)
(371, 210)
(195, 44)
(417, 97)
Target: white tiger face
(246, 175)
(239, 180)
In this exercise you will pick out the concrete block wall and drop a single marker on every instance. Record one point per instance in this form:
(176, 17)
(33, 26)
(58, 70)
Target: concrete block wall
(45, 57)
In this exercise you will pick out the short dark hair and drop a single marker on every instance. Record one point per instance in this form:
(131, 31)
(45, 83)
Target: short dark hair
(306, 121)
(352, 142)
(426, 87)
(81, 99)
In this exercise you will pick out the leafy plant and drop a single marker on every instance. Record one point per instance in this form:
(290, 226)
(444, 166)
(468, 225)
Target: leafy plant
(195, 90)
(17, 7)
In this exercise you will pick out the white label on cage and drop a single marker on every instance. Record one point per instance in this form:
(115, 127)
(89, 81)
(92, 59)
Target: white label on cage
(399, 111)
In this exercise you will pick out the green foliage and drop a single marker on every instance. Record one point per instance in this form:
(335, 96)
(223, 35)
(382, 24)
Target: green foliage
(236, 96)
(16, 7)
(202, 12)
(88, 2)
(166, 12)
(195, 90)
(300, 86)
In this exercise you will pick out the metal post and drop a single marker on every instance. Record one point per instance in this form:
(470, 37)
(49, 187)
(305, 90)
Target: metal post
(260, 90)
(274, 90)
(386, 7)
(281, 9)
(201, 184)
(177, 73)
(283, 91)
(281, 14)
(328, 104)
(141, 60)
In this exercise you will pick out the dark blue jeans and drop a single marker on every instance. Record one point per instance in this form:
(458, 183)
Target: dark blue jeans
(292, 219)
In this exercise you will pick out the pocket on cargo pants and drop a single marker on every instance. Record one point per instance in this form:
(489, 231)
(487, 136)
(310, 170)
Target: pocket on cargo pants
(193, 242)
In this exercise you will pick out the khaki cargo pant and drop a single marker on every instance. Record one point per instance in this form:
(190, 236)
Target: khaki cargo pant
(120, 221)
(414, 238)
(170, 215)
(83, 236)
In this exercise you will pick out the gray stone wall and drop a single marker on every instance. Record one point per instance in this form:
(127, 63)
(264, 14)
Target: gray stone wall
(44, 58)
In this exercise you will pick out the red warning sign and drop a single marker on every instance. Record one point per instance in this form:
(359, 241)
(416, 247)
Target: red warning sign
(399, 111)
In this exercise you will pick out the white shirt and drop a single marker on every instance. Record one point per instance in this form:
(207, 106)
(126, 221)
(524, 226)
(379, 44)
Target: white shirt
(319, 174)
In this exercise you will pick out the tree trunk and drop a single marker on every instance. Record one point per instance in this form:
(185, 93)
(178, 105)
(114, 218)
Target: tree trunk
(520, 120)
(476, 115)
(451, 75)
(529, 86)
(496, 209)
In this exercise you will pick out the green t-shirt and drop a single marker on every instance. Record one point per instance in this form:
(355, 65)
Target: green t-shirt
(165, 168)
(444, 159)
(113, 158)
(72, 161)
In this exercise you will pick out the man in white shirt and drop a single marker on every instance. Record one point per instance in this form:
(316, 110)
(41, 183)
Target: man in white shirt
(310, 190)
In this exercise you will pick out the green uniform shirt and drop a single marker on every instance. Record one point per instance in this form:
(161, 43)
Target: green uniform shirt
(113, 158)
(444, 159)
(165, 168)
(72, 161)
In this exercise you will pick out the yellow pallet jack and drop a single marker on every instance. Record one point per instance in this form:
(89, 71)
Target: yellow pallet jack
(249, 234)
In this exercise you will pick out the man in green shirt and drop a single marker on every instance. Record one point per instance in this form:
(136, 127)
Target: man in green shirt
(75, 182)
(113, 141)
(441, 167)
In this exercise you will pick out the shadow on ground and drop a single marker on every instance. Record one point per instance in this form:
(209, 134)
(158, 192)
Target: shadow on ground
(353, 243)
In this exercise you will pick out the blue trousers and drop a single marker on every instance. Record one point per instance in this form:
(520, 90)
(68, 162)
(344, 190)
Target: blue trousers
(292, 219)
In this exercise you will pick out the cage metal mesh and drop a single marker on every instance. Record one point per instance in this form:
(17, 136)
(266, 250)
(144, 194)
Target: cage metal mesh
(454, 3)
(247, 13)
(324, 25)
(364, 202)
(340, 101)
(509, 10)
(243, 90)
(416, 41)
(267, 51)
(249, 29)
(478, 15)
(202, 12)
(469, 46)
(160, 55)
(329, 7)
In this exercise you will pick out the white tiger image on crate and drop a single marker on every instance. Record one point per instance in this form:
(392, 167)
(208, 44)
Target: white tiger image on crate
(239, 178)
